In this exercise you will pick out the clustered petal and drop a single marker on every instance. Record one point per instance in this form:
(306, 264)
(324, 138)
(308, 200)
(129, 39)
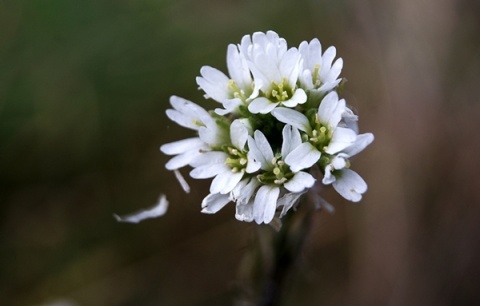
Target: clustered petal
(280, 130)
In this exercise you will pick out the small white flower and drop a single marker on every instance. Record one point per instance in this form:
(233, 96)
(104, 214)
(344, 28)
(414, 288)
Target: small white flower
(277, 172)
(192, 116)
(317, 72)
(231, 91)
(346, 182)
(275, 70)
(323, 132)
(229, 165)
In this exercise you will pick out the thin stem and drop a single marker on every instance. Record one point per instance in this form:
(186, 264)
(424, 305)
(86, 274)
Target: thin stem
(287, 246)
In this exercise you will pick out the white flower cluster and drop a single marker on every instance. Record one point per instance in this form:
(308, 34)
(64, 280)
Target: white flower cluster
(279, 121)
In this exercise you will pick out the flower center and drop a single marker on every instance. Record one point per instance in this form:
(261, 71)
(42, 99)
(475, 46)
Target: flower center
(279, 91)
(320, 136)
(315, 76)
(235, 91)
(279, 174)
(236, 160)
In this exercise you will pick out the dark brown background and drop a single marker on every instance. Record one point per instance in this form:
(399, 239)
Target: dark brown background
(83, 90)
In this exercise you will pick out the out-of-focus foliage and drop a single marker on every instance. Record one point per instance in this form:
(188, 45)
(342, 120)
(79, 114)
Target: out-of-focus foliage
(83, 89)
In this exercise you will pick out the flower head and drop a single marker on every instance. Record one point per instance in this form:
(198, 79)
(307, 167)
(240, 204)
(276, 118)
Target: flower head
(281, 130)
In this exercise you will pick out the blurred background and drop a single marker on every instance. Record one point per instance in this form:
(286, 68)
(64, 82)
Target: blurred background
(83, 90)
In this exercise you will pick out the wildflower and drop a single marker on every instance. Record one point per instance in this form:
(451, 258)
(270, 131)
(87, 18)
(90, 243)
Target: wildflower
(321, 128)
(275, 70)
(278, 172)
(191, 116)
(233, 91)
(317, 72)
(227, 165)
(335, 143)
(345, 181)
(281, 131)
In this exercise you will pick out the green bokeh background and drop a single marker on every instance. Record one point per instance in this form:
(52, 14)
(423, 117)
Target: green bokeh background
(83, 90)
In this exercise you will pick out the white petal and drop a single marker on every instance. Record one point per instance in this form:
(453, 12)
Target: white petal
(264, 148)
(327, 86)
(193, 115)
(292, 117)
(208, 171)
(299, 97)
(255, 156)
(335, 71)
(257, 85)
(209, 158)
(304, 156)
(181, 146)
(299, 182)
(238, 67)
(159, 209)
(339, 161)
(328, 177)
(212, 203)
(212, 134)
(245, 190)
(306, 79)
(214, 75)
(291, 139)
(265, 66)
(261, 105)
(289, 66)
(181, 160)
(350, 185)
(182, 181)
(244, 212)
(265, 203)
(331, 110)
(245, 45)
(341, 139)
(327, 60)
(350, 119)
(225, 182)
(182, 120)
(253, 165)
(360, 143)
(238, 189)
(230, 105)
(312, 52)
(214, 83)
(238, 133)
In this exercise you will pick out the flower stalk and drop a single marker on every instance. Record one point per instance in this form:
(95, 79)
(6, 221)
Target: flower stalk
(287, 246)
